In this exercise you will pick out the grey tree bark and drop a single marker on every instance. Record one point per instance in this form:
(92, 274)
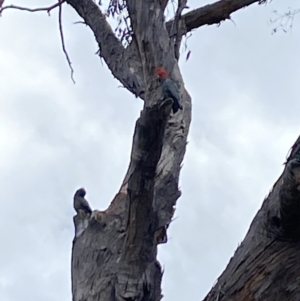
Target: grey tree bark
(266, 264)
(114, 251)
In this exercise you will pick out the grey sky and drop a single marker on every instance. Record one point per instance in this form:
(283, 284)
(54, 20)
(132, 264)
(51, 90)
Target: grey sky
(244, 84)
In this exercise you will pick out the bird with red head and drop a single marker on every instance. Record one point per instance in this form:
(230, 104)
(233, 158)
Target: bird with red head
(161, 72)
(169, 87)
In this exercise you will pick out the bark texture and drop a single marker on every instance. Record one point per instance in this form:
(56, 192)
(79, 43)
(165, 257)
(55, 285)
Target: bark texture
(211, 14)
(114, 258)
(266, 267)
(114, 251)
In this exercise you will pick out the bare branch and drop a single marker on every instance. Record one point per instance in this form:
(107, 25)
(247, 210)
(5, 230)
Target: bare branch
(122, 62)
(178, 35)
(48, 9)
(33, 10)
(284, 21)
(63, 42)
(211, 14)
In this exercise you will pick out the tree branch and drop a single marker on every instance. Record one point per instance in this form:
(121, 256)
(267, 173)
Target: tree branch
(179, 34)
(63, 42)
(32, 10)
(121, 62)
(48, 10)
(211, 14)
(118, 60)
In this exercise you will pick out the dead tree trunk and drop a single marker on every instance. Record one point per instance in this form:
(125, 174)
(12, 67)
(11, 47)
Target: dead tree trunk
(114, 252)
(114, 258)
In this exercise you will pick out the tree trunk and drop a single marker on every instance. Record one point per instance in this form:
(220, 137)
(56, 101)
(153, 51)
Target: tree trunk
(114, 251)
(265, 267)
(114, 258)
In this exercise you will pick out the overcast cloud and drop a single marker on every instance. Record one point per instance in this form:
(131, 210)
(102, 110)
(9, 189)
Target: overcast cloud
(56, 137)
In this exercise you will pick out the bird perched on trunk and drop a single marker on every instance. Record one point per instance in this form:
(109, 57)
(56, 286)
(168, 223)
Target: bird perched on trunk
(170, 88)
(80, 203)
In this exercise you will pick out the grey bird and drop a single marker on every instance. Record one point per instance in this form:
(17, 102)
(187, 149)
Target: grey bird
(170, 88)
(80, 203)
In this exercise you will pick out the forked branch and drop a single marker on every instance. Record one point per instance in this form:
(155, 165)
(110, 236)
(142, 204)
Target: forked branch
(119, 60)
(63, 42)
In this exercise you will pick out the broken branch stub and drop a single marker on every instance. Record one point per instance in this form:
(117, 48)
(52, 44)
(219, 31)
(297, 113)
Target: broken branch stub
(121, 240)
